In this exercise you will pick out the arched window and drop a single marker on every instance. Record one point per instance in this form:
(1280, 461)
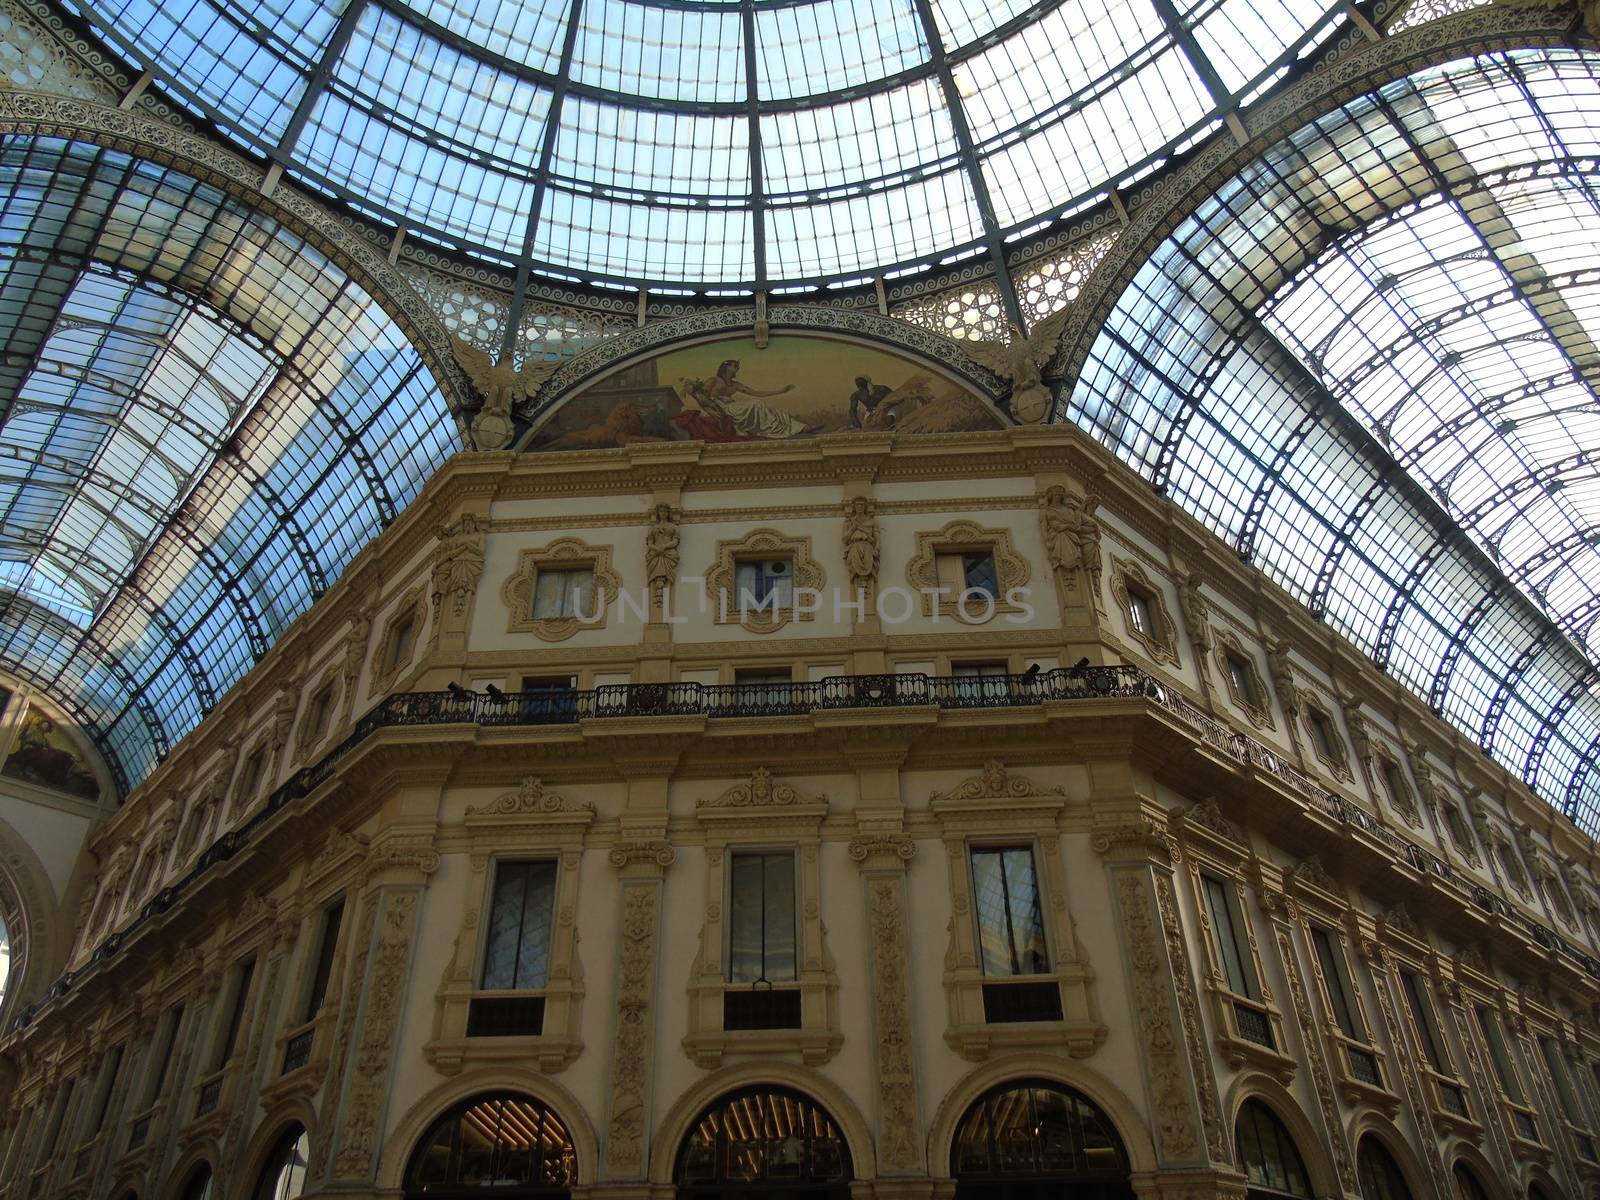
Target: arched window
(1467, 1185)
(503, 1145)
(764, 1142)
(1267, 1152)
(1023, 1135)
(199, 1185)
(1379, 1174)
(284, 1175)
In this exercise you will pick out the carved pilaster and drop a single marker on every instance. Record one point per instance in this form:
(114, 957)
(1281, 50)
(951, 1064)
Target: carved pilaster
(883, 859)
(390, 925)
(632, 1047)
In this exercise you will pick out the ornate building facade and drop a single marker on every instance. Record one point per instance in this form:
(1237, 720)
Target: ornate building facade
(670, 820)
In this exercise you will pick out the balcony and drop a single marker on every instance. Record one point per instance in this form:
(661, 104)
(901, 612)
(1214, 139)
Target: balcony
(844, 693)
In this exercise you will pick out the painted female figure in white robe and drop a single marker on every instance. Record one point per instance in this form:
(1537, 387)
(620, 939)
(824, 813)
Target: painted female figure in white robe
(750, 417)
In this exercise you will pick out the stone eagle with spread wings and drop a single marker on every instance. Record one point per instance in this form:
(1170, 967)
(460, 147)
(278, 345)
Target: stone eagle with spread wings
(502, 387)
(1022, 361)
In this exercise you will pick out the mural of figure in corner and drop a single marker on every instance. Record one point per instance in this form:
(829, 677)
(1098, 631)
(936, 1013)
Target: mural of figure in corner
(44, 754)
(727, 390)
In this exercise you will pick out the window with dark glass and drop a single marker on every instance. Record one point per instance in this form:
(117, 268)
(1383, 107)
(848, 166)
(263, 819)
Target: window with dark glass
(979, 681)
(1504, 1070)
(1226, 930)
(1336, 975)
(1380, 1176)
(761, 917)
(108, 1086)
(1466, 1184)
(322, 972)
(517, 952)
(761, 687)
(402, 640)
(58, 1122)
(163, 1060)
(1242, 679)
(1323, 736)
(765, 583)
(564, 593)
(1041, 1135)
(1394, 782)
(1423, 1018)
(500, 1145)
(764, 1142)
(546, 697)
(1571, 1110)
(1010, 918)
(969, 571)
(318, 713)
(1267, 1153)
(284, 1175)
(199, 1185)
(251, 779)
(241, 998)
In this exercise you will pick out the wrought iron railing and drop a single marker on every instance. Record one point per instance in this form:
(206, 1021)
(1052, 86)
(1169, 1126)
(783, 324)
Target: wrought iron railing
(562, 706)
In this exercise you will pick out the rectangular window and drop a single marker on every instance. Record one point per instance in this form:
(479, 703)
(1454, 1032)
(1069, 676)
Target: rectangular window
(1341, 994)
(402, 640)
(1240, 676)
(58, 1122)
(761, 918)
(765, 583)
(1005, 893)
(1232, 948)
(318, 712)
(567, 593)
(970, 571)
(241, 998)
(1139, 612)
(1422, 1016)
(980, 681)
(1394, 782)
(762, 686)
(517, 954)
(108, 1086)
(1505, 1072)
(549, 697)
(251, 779)
(1551, 1053)
(163, 1060)
(1322, 734)
(323, 971)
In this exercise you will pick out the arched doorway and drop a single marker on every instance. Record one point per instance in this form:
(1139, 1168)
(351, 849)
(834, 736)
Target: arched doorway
(1035, 1140)
(1466, 1183)
(764, 1141)
(284, 1175)
(198, 1186)
(506, 1145)
(1381, 1177)
(1267, 1152)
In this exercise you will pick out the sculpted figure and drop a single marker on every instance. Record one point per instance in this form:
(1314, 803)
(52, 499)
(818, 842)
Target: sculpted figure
(861, 542)
(458, 562)
(661, 548)
(1022, 360)
(501, 387)
(1072, 534)
(1196, 611)
(1283, 676)
(355, 643)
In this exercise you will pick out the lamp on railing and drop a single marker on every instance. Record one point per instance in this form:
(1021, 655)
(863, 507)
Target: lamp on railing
(495, 693)
(457, 691)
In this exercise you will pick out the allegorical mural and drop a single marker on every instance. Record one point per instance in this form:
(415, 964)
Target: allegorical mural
(730, 391)
(43, 754)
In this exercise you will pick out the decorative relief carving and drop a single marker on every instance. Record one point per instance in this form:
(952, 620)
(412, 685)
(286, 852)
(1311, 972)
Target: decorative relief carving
(1021, 359)
(878, 848)
(1252, 698)
(898, 1143)
(1217, 1139)
(402, 854)
(1177, 1124)
(398, 644)
(760, 792)
(657, 853)
(1207, 814)
(1141, 837)
(1196, 613)
(661, 548)
(563, 554)
(384, 991)
(631, 1049)
(995, 783)
(344, 1031)
(531, 796)
(1381, 984)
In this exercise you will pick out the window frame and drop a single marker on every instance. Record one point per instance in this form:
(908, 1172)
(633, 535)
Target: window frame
(481, 967)
(520, 590)
(976, 846)
(1131, 584)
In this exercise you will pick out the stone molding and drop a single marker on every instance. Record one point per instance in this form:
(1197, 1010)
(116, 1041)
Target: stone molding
(963, 537)
(563, 554)
(721, 578)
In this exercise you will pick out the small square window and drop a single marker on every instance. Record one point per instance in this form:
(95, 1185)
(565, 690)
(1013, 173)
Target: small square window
(765, 583)
(969, 571)
(563, 593)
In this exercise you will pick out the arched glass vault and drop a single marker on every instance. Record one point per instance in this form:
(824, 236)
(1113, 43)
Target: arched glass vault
(716, 143)
(1367, 362)
(205, 419)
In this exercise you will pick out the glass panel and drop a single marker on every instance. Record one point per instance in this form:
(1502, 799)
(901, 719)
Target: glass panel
(1238, 970)
(1267, 1153)
(500, 1142)
(761, 924)
(762, 1138)
(1010, 922)
(1330, 959)
(980, 574)
(517, 953)
(1422, 1016)
(1039, 1130)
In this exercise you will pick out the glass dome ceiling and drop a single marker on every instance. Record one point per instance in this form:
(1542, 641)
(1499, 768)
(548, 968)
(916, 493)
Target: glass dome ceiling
(715, 143)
